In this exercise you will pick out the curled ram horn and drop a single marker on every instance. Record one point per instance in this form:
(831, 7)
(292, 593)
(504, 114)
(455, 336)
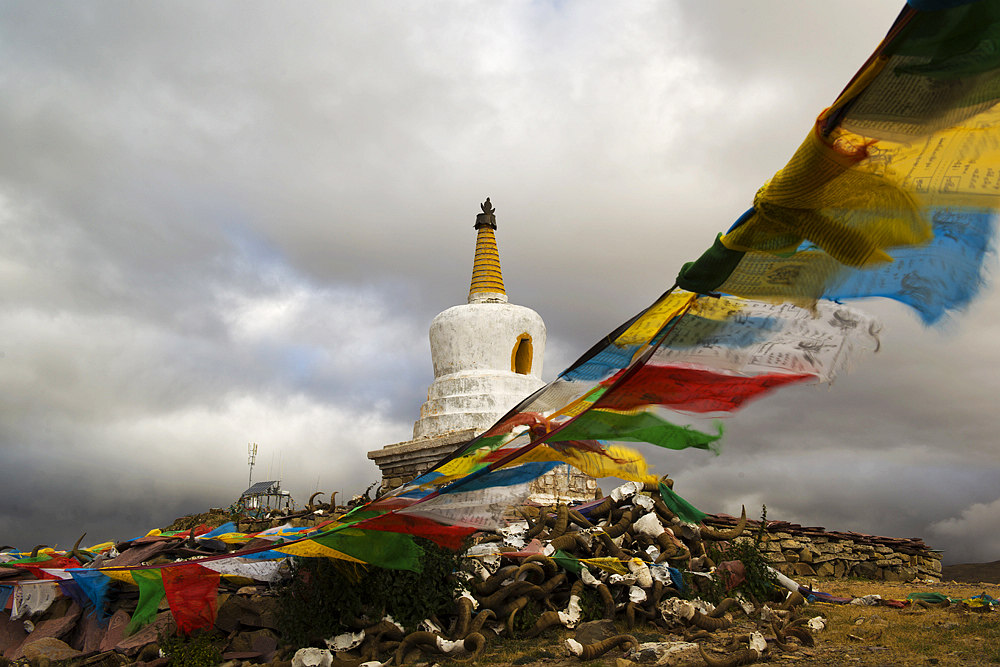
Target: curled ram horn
(603, 508)
(473, 645)
(634, 610)
(309, 505)
(597, 649)
(662, 511)
(779, 639)
(84, 556)
(690, 634)
(726, 535)
(793, 600)
(415, 640)
(724, 606)
(620, 526)
(480, 620)
(802, 634)
(608, 599)
(546, 562)
(610, 547)
(549, 586)
(464, 618)
(569, 542)
(39, 547)
(549, 619)
(745, 656)
(709, 623)
(561, 521)
(532, 572)
(579, 519)
(535, 527)
(497, 601)
(679, 553)
(510, 611)
(495, 580)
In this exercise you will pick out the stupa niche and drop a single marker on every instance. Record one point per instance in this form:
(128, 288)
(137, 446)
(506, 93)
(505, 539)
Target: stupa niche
(487, 356)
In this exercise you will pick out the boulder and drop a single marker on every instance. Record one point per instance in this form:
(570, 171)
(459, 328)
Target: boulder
(49, 647)
(595, 631)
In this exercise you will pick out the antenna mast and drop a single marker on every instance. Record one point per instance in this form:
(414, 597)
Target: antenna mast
(251, 458)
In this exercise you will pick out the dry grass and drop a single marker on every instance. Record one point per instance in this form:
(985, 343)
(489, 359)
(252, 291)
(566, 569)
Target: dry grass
(911, 636)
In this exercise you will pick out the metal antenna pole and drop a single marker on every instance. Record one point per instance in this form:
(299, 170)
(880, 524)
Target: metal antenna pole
(251, 458)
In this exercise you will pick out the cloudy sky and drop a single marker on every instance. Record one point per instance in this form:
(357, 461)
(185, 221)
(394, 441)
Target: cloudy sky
(234, 221)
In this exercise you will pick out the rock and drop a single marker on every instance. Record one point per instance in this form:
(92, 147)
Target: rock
(595, 631)
(115, 630)
(665, 653)
(163, 623)
(12, 635)
(262, 642)
(804, 570)
(865, 570)
(49, 648)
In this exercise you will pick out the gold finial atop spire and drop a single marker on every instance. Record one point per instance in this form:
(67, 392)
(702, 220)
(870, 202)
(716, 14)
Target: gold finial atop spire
(487, 278)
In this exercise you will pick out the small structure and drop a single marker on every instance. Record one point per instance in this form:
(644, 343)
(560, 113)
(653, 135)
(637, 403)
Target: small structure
(264, 497)
(487, 356)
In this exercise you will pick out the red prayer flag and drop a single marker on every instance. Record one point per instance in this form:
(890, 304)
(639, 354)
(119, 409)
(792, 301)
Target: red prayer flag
(192, 592)
(449, 537)
(691, 389)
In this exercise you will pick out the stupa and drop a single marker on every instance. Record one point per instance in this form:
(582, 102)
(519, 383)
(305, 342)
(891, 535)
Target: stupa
(487, 356)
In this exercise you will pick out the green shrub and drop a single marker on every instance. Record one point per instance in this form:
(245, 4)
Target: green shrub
(197, 650)
(326, 595)
(759, 584)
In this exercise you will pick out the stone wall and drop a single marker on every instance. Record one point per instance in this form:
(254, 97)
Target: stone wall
(798, 550)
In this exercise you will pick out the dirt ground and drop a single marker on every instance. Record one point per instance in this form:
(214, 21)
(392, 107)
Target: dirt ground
(854, 635)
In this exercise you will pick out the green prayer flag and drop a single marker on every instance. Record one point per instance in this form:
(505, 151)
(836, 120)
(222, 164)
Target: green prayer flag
(567, 562)
(150, 585)
(634, 427)
(684, 510)
(395, 551)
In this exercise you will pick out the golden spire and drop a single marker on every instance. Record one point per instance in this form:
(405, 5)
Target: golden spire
(487, 278)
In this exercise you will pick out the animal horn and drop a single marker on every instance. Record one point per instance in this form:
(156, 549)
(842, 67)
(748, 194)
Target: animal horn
(474, 644)
(597, 649)
(495, 580)
(34, 552)
(709, 623)
(609, 601)
(464, 618)
(79, 555)
(793, 600)
(549, 619)
(480, 619)
(579, 519)
(414, 640)
(535, 528)
(744, 657)
(562, 520)
(532, 572)
(801, 634)
(309, 505)
(723, 607)
(726, 535)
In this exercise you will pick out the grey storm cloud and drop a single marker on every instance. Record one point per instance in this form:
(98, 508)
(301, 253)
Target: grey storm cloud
(234, 221)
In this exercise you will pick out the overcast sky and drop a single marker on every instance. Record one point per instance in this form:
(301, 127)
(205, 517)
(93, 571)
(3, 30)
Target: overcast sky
(229, 222)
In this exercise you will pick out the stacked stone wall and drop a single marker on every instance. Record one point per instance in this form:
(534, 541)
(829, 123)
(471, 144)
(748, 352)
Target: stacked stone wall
(797, 550)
